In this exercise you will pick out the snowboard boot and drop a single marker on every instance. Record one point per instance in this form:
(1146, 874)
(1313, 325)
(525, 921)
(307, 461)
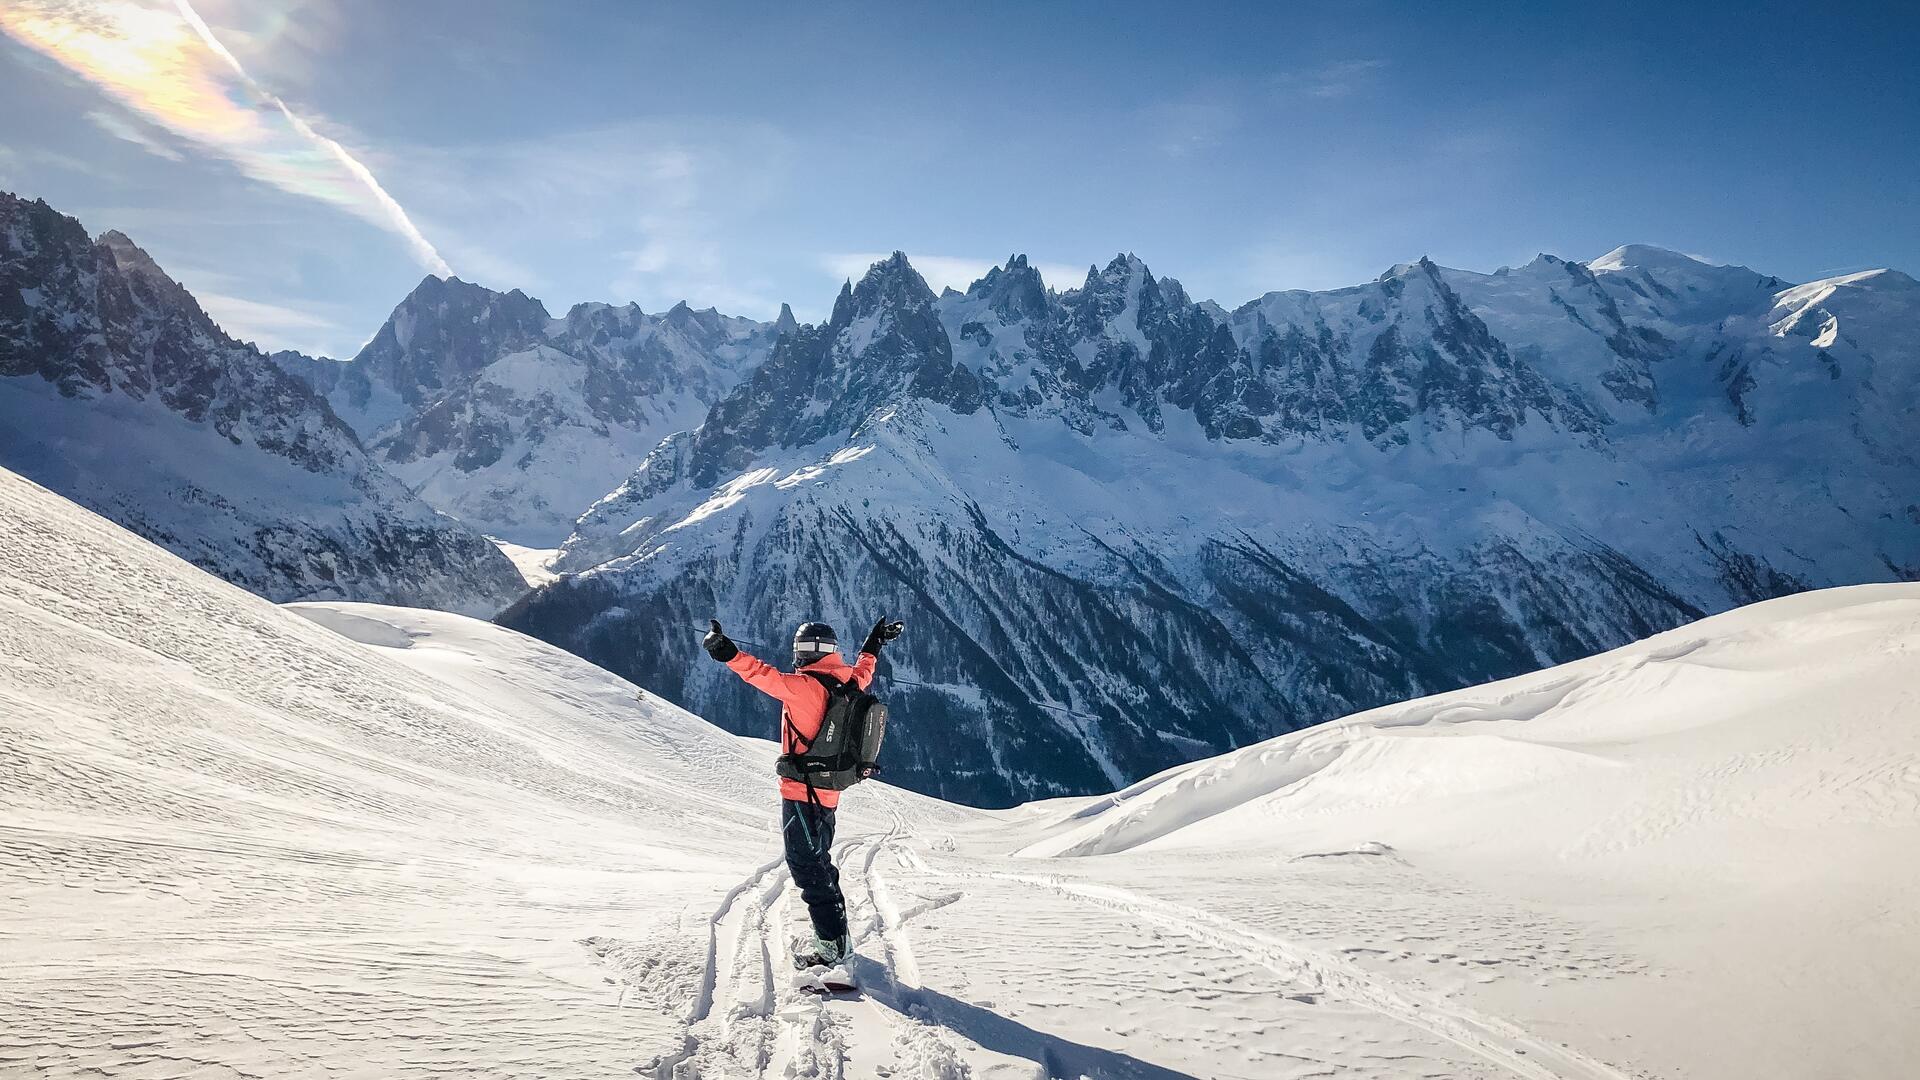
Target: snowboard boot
(825, 953)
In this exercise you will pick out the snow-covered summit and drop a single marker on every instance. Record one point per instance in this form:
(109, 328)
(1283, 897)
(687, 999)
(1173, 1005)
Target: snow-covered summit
(515, 421)
(1646, 257)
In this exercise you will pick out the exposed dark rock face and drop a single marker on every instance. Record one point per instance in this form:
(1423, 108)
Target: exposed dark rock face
(1126, 529)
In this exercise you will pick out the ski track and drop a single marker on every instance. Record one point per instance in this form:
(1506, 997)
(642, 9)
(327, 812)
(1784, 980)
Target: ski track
(746, 1021)
(743, 907)
(891, 997)
(1497, 1041)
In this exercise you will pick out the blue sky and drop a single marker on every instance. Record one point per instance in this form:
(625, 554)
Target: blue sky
(301, 165)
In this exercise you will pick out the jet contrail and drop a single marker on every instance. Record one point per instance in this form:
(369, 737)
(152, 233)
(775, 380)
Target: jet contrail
(422, 248)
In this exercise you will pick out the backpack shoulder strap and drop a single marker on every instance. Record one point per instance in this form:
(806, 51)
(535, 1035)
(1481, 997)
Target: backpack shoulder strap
(832, 686)
(793, 737)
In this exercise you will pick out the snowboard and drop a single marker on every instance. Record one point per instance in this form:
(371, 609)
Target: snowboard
(826, 981)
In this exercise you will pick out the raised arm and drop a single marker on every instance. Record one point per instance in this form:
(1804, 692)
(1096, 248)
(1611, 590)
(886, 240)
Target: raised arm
(771, 681)
(883, 632)
(863, 670)
(757, 673)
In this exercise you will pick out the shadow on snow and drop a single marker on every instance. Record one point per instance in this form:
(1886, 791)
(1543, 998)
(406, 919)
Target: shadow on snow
(1060, 1057)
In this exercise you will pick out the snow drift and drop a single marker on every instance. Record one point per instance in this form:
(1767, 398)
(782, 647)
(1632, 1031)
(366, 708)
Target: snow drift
(1735, 803)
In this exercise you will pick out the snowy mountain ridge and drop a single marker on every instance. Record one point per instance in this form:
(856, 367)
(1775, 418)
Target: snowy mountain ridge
(514, 421)
(118, 390)
(1137, 528)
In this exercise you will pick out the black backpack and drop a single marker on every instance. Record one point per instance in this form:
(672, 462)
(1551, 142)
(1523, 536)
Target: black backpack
(846, 749)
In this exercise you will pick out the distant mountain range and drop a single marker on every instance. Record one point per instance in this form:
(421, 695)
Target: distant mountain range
(1127, 529)
(117, 391)
(514, 421)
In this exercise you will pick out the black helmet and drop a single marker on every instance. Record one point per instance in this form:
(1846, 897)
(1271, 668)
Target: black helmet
(812, 641)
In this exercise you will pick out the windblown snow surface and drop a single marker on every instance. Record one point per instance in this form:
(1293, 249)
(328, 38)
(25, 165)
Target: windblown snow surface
(344, 840)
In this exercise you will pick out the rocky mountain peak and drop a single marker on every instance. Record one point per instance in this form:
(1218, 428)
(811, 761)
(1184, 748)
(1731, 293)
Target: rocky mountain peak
(1126, 282)
(891, 284)
(150, 285)
(230, 460)
(130, 257)
(842, 306)
(1174, 293)
(447, 329)
(467, 297)
(1013, 291)
(1120, 271)
(883, 344)
(785, 323)
(703, 325)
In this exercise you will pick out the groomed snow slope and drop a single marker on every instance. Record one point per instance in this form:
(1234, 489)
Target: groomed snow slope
(346, 840)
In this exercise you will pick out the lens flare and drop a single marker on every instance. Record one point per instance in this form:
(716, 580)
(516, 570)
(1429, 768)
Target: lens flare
(166, 64)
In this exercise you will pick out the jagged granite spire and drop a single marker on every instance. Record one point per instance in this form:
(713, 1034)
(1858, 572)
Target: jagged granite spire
(884, 342)
(1013, 291)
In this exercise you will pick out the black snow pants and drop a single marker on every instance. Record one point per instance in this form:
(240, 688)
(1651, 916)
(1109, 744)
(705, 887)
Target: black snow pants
(808, 830)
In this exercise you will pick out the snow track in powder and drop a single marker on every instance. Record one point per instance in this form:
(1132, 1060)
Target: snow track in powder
(891, 982)
(1492, 1039)
(729, 994)
(748, 1019)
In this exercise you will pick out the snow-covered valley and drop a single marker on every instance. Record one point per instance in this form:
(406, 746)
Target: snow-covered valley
(350, 840)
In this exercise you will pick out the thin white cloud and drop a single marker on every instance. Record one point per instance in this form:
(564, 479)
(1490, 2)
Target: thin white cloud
(165, 63)
(1330, 81)
(273, 326)
(13, 157)
(948, 271)
(657, 207)
(1181, 129)
(121, 128)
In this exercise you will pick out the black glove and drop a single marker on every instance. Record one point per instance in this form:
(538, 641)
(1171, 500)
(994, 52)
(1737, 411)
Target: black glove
(883, 632)
(718, 645)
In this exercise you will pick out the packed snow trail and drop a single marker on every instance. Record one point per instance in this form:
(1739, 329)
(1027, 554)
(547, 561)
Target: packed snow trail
(344, 840)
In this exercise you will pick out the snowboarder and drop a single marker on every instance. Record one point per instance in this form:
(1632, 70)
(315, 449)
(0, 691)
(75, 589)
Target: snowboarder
(807, 814)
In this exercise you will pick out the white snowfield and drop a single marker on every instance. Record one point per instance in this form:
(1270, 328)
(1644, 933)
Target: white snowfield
(352, 841)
